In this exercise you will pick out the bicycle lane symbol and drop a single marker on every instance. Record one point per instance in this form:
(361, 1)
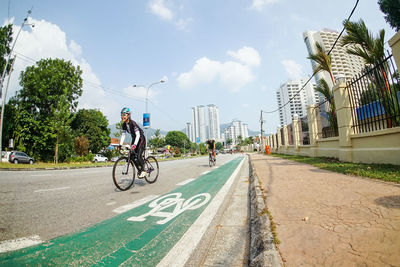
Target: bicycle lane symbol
(166, 202)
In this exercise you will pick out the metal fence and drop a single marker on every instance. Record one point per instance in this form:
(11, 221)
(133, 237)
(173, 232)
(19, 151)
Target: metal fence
(282, 137)
(328, 120)
(290, 134)
(374, 97)
(303, 130)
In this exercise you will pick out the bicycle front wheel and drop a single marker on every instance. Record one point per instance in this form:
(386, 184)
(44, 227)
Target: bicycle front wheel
(210, 161)
(123, 174)
(151, 168)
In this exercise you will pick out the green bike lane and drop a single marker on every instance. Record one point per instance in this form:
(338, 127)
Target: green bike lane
(139, 237)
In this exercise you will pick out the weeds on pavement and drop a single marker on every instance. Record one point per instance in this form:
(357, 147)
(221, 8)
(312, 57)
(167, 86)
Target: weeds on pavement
(385, 172)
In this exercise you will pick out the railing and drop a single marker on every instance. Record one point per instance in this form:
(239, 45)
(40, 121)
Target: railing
(329, 121)
(282, 136)
(303, 130)
(374, 97)
(290, 134)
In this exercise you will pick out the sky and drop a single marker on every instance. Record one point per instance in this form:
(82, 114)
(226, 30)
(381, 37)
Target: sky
(233, 54)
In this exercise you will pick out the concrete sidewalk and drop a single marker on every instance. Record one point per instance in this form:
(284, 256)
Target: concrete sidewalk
(330, 219)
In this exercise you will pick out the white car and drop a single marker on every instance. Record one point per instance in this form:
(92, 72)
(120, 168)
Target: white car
(99, 158)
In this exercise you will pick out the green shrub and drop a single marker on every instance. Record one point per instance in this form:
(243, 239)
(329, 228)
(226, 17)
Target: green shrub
(177, 155)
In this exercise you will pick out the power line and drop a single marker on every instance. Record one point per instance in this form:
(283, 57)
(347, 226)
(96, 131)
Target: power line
(330, 50)
(87, 82)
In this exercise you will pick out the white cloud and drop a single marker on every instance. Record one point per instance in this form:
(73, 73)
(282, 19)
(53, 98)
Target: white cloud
(76, 49)
(260, 4)
(293, 69)
(158, 8)
(47, 40)
(183, 24)
(170, 13)
(230, 74)
(247, 55)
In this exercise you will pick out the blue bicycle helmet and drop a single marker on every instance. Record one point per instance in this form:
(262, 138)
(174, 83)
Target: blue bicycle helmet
(126, 111)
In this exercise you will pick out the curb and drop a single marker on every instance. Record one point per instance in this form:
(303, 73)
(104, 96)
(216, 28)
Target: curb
(52, 169)
(262, 247)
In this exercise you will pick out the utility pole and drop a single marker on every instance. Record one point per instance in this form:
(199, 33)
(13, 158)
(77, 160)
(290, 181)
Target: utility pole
(2, 111)
(261, 138)
(3, 75)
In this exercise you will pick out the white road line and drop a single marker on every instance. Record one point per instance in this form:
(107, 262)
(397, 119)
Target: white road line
(51, 189)
(135, 204)
(19, 243)
(111, 203)
(180, 253)
(205, 172)
(186, 181)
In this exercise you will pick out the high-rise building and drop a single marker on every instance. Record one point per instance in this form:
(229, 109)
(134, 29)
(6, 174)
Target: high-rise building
(199, 123)
(234, 130)
(297, 100)
(213, 123)
(342, 62)
(189, 132)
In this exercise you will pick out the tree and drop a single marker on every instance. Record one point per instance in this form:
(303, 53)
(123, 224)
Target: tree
(324, 89)
(49, 94)
(118, 126)
(59, 121)
(176, 138)
(391, 9)
(240, 140)
(81, 145)
(157, 141)
(5, 50)
(219, 146)
(360, 42)
(229, 141)
(92, 124)
(323, 60)
(248, 141)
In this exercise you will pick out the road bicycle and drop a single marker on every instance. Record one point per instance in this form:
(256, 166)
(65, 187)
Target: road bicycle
(124, 170)
(211, 158)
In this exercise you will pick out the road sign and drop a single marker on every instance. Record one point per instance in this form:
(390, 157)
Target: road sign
(146, 120)
(198, 140)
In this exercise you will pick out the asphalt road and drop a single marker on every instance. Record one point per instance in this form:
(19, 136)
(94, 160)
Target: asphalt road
(53, 203)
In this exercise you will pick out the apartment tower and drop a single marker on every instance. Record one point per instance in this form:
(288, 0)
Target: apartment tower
(213, 122)
(297, 100)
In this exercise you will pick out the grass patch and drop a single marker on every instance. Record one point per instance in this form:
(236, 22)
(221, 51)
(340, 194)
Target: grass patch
(385, 172)
(43, 165)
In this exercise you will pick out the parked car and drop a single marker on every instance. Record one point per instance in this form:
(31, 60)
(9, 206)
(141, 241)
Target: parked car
(20, 157)
(99, 158)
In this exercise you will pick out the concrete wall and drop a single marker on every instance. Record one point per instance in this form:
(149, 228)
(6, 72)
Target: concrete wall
(381, 146)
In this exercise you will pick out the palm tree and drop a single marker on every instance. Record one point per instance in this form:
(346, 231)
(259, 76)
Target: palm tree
(362, 43)
(323, 60)
(324, 89)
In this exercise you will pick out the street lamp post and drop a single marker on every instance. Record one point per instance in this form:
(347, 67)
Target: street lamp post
(147, 98)
(3, 75)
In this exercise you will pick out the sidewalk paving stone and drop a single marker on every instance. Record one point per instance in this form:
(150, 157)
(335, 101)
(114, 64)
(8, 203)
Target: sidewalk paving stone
(330, 219)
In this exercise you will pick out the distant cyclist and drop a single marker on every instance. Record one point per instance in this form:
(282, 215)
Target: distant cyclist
(138, 144)
(210, 145)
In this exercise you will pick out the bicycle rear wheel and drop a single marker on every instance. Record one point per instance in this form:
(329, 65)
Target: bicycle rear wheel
(151, 167)
(123, 175)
